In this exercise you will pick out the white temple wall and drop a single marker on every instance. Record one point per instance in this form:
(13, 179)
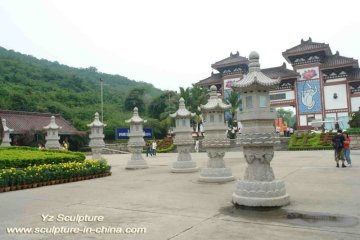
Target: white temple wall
(355, 104)
(335, 103)
(303, 120)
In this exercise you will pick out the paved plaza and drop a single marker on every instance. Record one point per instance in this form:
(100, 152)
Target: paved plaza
(325, 202)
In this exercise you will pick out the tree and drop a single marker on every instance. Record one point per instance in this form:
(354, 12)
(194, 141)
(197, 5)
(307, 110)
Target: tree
(355, 119)
(287, 115)
(134, 99)
(234, 100)
(194, 97)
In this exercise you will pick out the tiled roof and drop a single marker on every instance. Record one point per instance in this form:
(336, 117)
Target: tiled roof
(337, 60)
(214, 79)
(280, 71)
(307, 46)
(355, 74)
(234, 59)
(25, 121)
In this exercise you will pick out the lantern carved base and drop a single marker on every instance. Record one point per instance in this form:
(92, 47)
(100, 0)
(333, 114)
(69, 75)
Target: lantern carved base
(184, 163)
(96, 152)
(259, 187)
(136, 161)
(216, 171)
(261, 194)
(52, 144)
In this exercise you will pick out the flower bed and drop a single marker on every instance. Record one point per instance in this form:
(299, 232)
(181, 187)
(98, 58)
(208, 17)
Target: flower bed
(48, 174)
(312, 141)
(22, 157)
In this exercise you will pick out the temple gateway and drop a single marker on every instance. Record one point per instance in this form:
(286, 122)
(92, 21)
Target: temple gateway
(322, 87)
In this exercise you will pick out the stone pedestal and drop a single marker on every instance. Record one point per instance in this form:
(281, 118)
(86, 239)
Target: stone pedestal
(6, 138)
(136, 142)
(96, 137)
(216, 171)
(52, 134)
(259, 187)
(183, 140)
(184, 162)
(215, 140)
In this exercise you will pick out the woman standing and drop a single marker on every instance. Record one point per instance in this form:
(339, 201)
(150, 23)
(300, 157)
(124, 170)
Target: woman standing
(347, 148)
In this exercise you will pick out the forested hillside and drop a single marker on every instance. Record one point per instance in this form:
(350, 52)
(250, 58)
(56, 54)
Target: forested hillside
(30, 84)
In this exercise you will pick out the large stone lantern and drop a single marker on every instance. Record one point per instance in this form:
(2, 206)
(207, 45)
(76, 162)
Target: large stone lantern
(96, 137)
(259, 187)
(136, 142)
(215, 140)
(183, 140)
(52, 135)
(6, 138)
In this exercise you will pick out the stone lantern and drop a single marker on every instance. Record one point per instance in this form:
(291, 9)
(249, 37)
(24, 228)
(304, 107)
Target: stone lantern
(96, 137)
(215, 140)
(136, 142)
(259, 187)
(52, 135)
(6, 139)
(183, 140)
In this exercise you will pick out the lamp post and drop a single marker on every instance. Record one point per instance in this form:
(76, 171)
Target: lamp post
(102, 99)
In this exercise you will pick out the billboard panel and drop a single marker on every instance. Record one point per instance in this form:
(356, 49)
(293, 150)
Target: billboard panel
(122, 133)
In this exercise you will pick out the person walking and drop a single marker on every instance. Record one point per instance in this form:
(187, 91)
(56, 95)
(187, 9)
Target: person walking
(338, 144)
(347, 148)
(148, 151)
(197, 145)
(154, 145)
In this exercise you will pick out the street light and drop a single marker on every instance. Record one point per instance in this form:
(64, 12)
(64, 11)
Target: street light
(102, 100)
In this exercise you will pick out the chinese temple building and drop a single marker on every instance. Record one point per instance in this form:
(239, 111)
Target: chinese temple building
(322, 87)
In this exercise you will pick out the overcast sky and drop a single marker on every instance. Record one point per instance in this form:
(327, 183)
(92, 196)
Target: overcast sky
(172, 43)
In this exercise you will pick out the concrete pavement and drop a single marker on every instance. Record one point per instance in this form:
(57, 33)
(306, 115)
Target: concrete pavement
(324, 202)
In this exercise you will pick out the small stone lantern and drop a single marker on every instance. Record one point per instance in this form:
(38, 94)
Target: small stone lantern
(215, 140)
(136, 141)
(183, 140)
(52, 136)
(259, 187)
(6, 139)
(96, 137)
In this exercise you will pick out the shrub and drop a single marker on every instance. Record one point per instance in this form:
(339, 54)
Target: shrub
(353, 131)
(22, 157)
(48, 172)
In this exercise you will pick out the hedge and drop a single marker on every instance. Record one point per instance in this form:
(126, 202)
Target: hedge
(313, 142)
(353, 131)
(22, 157)
(48, 172)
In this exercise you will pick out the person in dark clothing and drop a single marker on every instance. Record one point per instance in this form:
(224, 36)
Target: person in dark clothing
(148, 149)
(338, 144)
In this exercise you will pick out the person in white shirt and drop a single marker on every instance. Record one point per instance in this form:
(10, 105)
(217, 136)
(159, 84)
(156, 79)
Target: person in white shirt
(154, 145)
(197, 146)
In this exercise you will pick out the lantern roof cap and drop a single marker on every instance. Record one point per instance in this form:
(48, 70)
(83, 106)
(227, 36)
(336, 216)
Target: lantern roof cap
(135, 117)
(215, 102)
(6, 128)
(96, 122)
(182, 111)
(52, 125)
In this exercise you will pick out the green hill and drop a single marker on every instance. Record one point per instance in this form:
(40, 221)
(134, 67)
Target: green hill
(30, 84)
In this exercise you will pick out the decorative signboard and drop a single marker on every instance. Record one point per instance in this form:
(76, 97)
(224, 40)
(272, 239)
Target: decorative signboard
(309, 97)
(309, 73)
